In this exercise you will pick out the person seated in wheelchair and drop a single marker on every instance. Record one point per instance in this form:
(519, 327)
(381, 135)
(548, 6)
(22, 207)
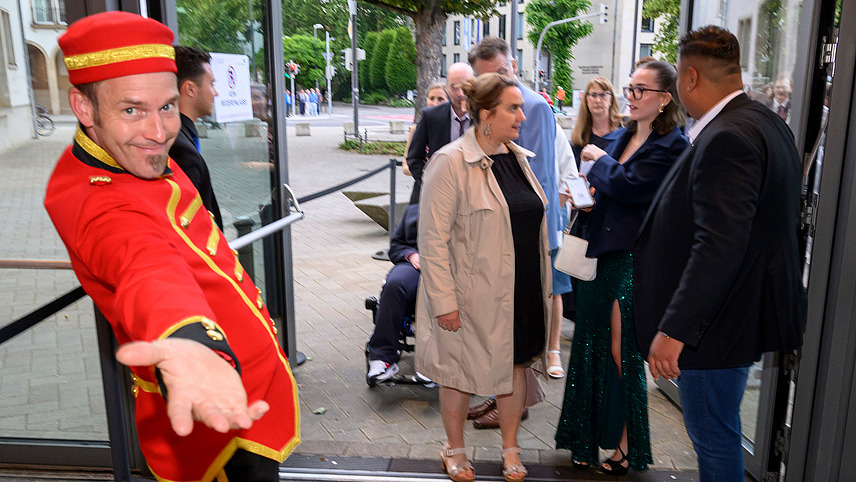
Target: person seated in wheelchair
(397, 300)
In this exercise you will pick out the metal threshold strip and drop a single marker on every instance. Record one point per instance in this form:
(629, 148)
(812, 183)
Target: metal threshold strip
(312, 468)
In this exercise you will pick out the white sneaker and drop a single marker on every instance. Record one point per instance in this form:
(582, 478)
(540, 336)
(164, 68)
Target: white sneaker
(380, 371)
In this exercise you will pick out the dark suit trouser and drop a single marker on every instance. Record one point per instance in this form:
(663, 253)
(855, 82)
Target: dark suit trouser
(248, 467)
(397, 300)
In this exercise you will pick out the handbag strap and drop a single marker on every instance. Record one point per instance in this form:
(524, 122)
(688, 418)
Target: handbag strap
(572, 220)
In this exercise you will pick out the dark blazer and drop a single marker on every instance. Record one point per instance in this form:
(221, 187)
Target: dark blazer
(623, 192)
(188, 158)
(404, 239)
(717, 264)
(432, 132)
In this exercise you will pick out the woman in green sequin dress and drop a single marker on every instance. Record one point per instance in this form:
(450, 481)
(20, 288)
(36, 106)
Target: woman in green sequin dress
(605, 404)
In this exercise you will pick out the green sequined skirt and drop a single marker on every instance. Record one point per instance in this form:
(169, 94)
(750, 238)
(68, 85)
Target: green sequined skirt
(597, 401)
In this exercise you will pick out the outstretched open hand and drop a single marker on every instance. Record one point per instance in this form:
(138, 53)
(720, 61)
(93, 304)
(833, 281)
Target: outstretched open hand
(200, 384)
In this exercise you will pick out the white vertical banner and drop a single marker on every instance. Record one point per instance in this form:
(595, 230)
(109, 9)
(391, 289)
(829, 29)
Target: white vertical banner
(232, 81)
(465, 35)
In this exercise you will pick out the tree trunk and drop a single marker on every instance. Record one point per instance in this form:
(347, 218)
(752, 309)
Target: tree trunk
(430, 24)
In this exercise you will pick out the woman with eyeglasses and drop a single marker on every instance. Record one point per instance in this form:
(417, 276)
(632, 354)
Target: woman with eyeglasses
(598, 116)
(605, 401)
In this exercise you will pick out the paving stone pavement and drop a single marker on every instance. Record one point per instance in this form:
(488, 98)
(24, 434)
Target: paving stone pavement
(50, 380)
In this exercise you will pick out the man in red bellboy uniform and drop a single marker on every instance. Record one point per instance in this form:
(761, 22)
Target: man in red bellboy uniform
(193, 327)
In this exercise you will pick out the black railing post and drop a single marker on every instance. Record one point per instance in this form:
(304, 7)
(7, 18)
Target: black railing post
(113, 399)
(243, 225)
(392, 170)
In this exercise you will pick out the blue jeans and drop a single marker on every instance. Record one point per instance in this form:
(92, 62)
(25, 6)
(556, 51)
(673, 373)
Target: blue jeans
(710, 400)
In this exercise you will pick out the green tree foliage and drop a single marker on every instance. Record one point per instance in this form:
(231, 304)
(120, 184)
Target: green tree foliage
(561, 39)
(429, 18)
(666, 39)
(378, 60)
(300, 48)
(369, 43)
(401, 63)
(214, 25)
(298, 17)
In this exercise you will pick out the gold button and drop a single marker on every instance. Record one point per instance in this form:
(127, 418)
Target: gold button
(135, 390)
(211, 214)
(275, 331)
(235, 252)
(208, 324)
(212, 251)
(239, 277)
(259, 290)
(214, 335)
(185, 223)
(259, 303)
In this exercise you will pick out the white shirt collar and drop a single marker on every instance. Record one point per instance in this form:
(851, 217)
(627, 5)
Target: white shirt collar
(710, 114)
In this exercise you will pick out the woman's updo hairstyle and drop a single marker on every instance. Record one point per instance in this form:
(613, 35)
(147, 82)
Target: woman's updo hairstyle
(484, 93)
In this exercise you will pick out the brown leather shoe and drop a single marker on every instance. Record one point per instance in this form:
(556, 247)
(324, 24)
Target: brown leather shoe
(481, 409)
(491, 419)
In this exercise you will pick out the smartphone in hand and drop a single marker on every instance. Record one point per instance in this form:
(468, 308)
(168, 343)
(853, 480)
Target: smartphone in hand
(580, 195)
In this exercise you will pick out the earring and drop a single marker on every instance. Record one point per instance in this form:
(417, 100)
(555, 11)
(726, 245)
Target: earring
(487, 131)
(661, 108)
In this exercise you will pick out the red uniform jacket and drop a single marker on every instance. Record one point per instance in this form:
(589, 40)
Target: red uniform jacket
(156, 265)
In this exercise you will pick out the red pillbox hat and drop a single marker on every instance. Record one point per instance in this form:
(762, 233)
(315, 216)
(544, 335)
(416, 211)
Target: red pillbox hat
(115, 44)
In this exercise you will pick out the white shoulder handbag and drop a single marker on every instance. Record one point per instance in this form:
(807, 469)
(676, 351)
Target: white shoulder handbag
(571, 258)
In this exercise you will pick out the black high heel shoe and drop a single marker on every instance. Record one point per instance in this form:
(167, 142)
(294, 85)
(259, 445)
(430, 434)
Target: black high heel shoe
(614, 467)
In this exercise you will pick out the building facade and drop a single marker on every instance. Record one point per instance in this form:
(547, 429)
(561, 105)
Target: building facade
(611, 51)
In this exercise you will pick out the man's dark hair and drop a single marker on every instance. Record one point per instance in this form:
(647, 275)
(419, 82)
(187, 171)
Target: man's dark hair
(189, 61)
(714, 44)
(489, 48)
(90, 91)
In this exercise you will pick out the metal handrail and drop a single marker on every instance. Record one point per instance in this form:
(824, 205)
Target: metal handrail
(33, 264)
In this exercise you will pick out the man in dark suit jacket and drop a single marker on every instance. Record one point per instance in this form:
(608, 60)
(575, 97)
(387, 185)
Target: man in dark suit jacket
(717, 262)
(397, 299)
(435, 128)
(197, 92)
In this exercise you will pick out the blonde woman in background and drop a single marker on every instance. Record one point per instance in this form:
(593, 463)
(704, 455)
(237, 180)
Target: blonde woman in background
(436, 95)
(598, 116)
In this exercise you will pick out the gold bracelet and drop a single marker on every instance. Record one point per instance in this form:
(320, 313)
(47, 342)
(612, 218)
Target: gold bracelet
(665, 335)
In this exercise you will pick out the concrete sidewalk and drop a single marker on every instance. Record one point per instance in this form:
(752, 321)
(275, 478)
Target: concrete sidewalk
(49, 390)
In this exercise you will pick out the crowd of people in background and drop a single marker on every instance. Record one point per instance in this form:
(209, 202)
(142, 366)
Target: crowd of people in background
(308, 102)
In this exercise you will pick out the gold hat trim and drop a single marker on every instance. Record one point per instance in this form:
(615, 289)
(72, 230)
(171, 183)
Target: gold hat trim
(120, 54)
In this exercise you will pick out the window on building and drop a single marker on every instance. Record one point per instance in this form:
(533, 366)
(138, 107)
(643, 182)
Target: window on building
(501, 4)
(456, 58)
(644, 50)
(456, 35)
(744, 32)
(443, 66)
(8, 46)
(43, 11)
(502, 26)
(486, 28)
(445, 32)
(520, 63)
(520, 24)
(49, 11)
(647, 24)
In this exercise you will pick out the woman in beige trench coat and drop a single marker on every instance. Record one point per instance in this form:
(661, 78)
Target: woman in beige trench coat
(467, 291)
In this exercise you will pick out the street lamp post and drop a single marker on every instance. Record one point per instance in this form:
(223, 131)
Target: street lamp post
(315, 42)
(329, 74)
